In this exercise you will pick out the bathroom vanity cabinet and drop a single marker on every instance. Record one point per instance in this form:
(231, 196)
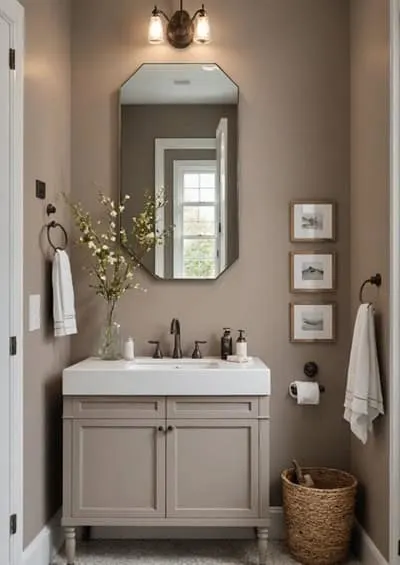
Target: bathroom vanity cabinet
(168, 460)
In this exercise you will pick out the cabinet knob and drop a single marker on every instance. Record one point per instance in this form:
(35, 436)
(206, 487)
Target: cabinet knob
(161, 429)
(171, 428)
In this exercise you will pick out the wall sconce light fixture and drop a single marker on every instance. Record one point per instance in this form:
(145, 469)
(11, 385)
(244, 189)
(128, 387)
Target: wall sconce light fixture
(181, 28)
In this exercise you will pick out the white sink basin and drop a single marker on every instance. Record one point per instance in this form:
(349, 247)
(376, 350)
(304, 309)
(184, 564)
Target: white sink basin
(171, 364)
(167, 377)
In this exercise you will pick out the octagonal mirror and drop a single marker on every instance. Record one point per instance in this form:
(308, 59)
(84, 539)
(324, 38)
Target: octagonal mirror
(179, 138)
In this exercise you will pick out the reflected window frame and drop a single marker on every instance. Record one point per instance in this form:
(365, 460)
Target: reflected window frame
(198, 168)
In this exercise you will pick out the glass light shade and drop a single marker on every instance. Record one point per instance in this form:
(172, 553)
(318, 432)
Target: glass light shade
(202, 32)
(156, 30)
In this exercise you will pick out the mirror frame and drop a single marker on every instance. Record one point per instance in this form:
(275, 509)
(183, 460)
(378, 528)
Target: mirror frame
(119, 173)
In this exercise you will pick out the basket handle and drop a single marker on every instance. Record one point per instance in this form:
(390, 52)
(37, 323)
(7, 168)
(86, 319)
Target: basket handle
(298, 472)
(302, 479)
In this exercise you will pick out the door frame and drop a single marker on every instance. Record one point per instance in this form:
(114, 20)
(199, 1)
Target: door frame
(13, 12)
(161, 145)
(394, 369)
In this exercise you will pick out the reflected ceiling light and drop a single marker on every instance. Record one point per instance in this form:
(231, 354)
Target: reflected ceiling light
(209, 68)
(182, 29)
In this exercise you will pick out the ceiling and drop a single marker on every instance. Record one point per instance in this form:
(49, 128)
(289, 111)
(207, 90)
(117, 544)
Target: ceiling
(179, 84)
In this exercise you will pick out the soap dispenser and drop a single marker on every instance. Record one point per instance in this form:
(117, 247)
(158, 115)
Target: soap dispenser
(241, 345)
(226, 344)
(129, 349)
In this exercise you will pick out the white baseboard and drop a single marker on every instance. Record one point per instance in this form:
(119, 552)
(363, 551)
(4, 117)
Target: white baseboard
(46, 544)
(367, 551)
(276, 531)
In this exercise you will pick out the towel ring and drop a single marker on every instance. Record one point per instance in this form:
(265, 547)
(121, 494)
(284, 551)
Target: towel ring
(375, 280)
(52, 225)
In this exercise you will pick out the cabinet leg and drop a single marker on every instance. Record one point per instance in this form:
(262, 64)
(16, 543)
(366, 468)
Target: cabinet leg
(262, 535)
(70, 545)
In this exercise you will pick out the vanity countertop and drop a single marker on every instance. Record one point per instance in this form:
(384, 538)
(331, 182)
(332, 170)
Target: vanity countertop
(167, 377)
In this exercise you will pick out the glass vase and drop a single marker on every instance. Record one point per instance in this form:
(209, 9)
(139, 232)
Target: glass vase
(110, 337)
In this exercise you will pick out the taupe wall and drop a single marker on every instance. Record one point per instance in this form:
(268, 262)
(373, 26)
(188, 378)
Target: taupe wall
(370, 233)
(291, 63)
(47, 157)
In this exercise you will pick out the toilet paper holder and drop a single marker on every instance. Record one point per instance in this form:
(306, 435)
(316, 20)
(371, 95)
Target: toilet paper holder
(310, 370)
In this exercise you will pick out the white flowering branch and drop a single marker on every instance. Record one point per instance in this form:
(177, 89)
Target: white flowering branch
(116, 252)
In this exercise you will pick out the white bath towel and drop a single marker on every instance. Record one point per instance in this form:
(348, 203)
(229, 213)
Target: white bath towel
(63, 296)
(363, 402)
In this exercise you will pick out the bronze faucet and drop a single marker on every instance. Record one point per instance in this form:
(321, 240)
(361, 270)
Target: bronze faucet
(176, 330)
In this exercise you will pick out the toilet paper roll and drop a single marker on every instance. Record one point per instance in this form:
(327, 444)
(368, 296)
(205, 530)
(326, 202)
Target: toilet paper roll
(307, 393)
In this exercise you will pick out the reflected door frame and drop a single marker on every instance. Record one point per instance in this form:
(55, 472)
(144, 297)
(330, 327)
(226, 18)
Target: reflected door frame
(161, 145)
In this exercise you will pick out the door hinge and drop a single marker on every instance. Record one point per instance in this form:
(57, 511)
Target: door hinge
(12, 59)
(13, 524)
(13, 345)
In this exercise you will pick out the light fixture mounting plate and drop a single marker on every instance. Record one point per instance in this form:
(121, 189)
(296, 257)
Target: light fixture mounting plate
(180, 30)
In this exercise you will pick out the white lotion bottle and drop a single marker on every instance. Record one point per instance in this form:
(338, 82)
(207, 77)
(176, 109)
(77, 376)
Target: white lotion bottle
(241, 345)
(129, 349)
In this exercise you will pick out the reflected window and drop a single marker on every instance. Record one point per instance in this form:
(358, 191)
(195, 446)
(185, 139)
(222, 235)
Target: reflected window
(197, 219)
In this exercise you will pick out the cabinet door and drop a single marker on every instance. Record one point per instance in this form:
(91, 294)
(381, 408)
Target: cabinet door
(212, 468)
(118, 469)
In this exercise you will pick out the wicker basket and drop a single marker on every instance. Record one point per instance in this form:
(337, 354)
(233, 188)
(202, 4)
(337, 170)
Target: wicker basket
(319, 520)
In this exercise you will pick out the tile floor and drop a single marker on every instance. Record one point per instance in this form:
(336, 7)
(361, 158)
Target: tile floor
(176, 552)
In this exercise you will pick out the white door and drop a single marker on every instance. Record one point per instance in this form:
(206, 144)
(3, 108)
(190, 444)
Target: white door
(5, 297)
(222, 180)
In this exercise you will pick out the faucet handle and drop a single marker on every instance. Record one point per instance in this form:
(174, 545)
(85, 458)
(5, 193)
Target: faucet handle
(157, 353)
(196, 352)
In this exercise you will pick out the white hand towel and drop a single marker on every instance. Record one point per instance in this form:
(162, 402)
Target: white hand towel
(63, 296)
(363, 401)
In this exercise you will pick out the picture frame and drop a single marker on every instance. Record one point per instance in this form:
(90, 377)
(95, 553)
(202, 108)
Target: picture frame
(312, 220)
(312, 271)
(311, 323)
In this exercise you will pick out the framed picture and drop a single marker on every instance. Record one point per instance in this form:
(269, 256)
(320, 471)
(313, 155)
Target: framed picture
(312, 221)
(312, 271)
(312, 323)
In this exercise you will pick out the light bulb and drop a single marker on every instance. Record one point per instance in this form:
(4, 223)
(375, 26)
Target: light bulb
(202, 32)
(156, 29)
